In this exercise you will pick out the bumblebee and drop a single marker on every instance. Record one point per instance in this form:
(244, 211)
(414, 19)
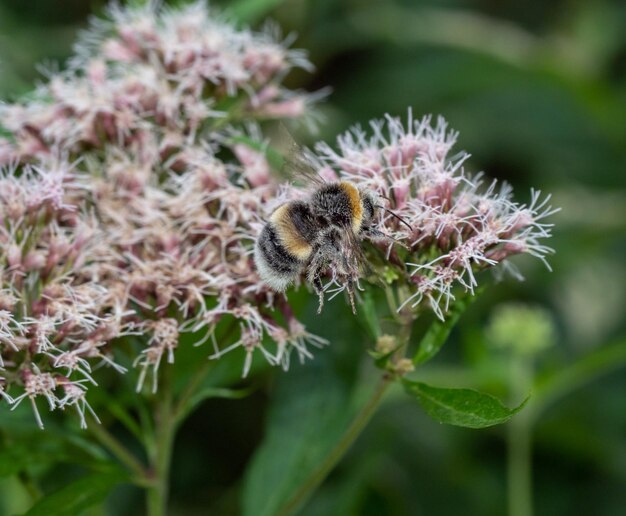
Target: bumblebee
(311, 235)
(323, 232)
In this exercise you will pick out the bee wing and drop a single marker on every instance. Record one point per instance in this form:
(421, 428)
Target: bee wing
(299, 162)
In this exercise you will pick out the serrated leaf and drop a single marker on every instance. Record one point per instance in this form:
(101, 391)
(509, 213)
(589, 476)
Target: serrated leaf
(461, 407)
(438, 332)
(78, 496)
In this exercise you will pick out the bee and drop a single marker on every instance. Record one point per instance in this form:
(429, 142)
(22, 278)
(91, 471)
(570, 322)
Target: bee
(321, 232)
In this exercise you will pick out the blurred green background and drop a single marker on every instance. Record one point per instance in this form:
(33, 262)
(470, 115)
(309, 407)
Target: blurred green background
(537, 91)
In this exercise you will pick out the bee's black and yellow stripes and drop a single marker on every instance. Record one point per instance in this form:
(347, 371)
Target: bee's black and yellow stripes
(296, 229)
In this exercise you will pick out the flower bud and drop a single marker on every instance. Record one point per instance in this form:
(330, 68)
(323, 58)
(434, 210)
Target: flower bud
(291, 108)
(385, 344)
(14, 256)
(522, 329)
(34, 260)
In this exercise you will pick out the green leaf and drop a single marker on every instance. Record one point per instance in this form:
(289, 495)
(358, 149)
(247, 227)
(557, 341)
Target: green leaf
(461, 407)
(21, 449)
(438, 332)
(18, 457)
(381, 359)
(308, 416)
(78, 496)
(368, 314)
(312, 406)
(382, 356)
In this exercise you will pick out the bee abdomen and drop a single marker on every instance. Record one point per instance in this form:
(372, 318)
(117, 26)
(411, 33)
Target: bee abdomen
(276, 266)
(286, 244)
(303, 221)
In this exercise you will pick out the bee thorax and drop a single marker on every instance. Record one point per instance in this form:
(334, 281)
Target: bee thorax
(340, 204)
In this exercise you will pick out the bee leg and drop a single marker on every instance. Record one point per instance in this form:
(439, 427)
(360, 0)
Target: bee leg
(319, 288)
(374, 235)
(314, 276)
(350, 289)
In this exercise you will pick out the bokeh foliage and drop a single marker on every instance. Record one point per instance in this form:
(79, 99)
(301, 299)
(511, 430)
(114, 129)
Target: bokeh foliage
(537, 91)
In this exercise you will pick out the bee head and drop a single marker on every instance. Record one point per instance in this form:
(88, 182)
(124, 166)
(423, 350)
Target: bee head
(371, 204)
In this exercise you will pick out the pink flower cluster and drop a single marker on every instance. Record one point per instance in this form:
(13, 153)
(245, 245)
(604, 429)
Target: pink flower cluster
(120, 213)
(116, 216)
(154, 78)
(56, 318)
(452, 225)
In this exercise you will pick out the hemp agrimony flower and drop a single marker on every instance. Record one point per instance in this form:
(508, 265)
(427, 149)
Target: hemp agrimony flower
(135, 185)
(56, 318)
(454, 226)
(449, 226)
(117, 217)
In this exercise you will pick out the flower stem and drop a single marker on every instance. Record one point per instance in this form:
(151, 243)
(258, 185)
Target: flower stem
(334, 456)
(355, 428)
(161, 454)
(118, 450)
(169, 414)
(520, 444)
(180, 410)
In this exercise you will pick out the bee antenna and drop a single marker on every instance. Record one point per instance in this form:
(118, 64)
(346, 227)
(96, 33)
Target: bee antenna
(395, 215)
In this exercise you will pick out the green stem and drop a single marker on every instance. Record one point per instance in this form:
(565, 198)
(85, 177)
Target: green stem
(167, 417)
(161, 453)
(180, 409)
(391, 302)
(352, 432)
(561, 383)
(119, 451)
(519, 436)
(340, 449)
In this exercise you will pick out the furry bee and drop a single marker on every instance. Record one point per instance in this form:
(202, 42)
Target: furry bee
(308, 236)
